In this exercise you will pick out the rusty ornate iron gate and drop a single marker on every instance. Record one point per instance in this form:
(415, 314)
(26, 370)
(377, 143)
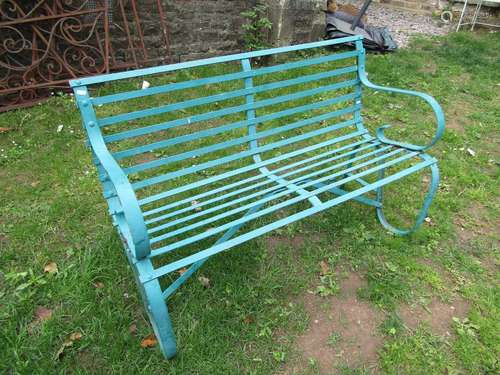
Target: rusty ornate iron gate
(43, 43)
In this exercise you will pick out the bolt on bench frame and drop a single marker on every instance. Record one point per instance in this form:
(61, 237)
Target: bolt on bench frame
(374, 155)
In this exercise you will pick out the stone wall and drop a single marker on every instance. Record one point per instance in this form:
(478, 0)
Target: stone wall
(197, 28)
(296, 21)
(201, 28)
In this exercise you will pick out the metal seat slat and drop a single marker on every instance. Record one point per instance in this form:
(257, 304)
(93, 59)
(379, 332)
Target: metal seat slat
(248, 168)
(256, 178)
(265, 211)
(269, 190)
(174, 266)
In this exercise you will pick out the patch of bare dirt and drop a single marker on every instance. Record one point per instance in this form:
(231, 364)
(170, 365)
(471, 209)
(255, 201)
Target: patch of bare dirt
(89, 361)
(144, 157)
(476, 222)
(23, 179)
(276, 241)
(342, 330)
(3, 239)
(455, 115)
(437, 315)
(429, 68)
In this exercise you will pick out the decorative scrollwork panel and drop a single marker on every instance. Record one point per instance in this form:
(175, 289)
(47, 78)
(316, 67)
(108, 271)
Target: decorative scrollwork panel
(43, 43)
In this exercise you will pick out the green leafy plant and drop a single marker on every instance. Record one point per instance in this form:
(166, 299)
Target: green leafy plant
(333, 339)
(256, 28)
(465, 327)
(328, 286)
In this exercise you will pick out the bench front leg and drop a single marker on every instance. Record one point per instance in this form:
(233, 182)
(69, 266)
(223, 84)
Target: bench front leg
(433, 187)
(159, 317)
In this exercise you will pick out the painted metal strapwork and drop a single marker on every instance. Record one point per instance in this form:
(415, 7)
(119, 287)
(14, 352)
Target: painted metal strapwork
(197, 163)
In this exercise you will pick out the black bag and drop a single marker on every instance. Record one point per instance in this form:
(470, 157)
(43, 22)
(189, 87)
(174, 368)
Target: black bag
(338, 25)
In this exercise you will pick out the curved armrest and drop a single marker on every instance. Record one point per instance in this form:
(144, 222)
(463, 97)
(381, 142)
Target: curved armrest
(136, 228)
(438, 112)
(135, 231)
(132, 213)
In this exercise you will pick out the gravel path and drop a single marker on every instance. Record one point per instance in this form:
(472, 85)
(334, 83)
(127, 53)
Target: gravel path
(402, 24)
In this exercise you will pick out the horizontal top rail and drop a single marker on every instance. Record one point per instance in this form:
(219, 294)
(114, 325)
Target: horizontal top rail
(214, 60)
(182, 85)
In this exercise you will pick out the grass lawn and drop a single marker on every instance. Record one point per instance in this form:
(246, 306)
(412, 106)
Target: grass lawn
(334, 293)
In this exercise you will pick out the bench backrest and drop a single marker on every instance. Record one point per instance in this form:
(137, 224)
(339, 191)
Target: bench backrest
(199, 117)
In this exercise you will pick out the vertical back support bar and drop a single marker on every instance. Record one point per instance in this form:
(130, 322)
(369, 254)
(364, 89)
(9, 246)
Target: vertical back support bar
(246, 65)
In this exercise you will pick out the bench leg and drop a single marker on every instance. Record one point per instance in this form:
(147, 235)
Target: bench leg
(423, 211)
(160, 319)
(155, 299)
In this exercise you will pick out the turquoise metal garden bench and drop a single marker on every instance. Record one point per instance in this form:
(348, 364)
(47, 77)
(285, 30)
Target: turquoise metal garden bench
(197, 163)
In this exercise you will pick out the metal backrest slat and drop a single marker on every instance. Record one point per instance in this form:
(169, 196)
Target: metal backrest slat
(223, 96)
(227, 111)
(243, 154)
(175, 86)
(231, 126)
(241, 140)
(292, 110)
(214, 60)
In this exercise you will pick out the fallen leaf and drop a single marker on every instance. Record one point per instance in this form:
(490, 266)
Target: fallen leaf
(61, 350)
(75, 336)
(182, 271)
(205, 281)
(51, 268)
(133, 328)
(35, 183)
(5, 130)
(196, 203)
(248, 319)
(325, 269)
(149, 341)
(99, 285)
(42, 314)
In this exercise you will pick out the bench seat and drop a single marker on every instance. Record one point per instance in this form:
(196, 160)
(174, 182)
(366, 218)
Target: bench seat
(193, 167)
